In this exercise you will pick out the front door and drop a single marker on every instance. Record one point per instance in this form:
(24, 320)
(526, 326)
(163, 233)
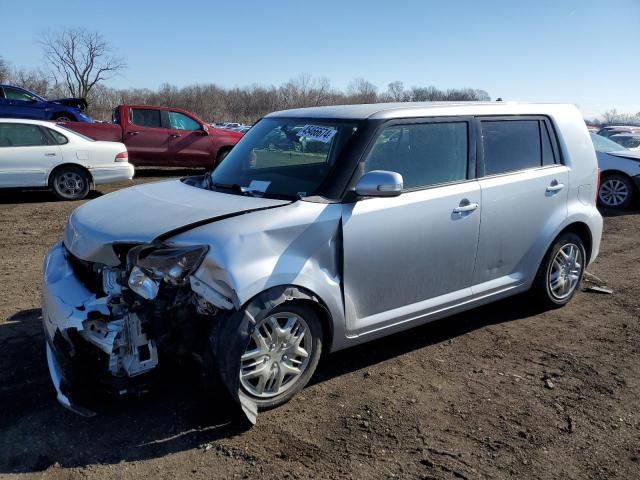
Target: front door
(190, 145)
(18, 103)
(25, 155)
(408, 256)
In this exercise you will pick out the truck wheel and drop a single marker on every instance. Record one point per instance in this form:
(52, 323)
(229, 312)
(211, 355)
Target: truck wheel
(70, 183)
(221, 154)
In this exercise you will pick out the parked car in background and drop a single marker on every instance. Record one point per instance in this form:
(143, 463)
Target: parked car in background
(162, 136)
(16, 102)
(614, 129)
(619, 173)
(627, 140)
(395, 215)
(42, 154)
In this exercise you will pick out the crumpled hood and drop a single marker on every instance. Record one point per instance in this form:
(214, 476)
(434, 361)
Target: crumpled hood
(140, 214)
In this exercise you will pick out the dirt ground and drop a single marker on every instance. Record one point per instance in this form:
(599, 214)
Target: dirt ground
(498, 392)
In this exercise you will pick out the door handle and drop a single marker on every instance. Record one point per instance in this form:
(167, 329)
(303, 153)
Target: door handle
(175, 135)
(555, 186)
(49, 154)
(465, 206)
(133, 133)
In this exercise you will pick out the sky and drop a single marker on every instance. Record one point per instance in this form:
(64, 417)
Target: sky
(576, 51)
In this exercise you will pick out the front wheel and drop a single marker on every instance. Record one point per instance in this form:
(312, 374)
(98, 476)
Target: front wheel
(561, 272)
(615, 192)
(70, 183)
(282, 355)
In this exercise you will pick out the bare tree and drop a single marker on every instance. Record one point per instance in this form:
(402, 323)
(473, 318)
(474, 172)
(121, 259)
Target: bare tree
(395, 92)
(362, 91)
(4, 70)
(80, 59)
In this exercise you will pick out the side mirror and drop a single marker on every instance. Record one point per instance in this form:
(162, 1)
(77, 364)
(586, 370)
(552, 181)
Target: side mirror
(205, 129)
(380, 183)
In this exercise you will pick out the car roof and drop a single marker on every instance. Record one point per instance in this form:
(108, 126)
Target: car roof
(422, 109)
(44, 123)
(626, 135)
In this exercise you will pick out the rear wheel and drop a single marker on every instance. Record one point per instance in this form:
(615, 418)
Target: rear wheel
(615, 191)
(282, 355)
(70, 183)
(561, 272)
(63, 117)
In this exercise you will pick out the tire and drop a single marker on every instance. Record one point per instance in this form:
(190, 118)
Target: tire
(63, 117)
(70, 183)
(615, 191)
(223, 153)
(270, 359)
(559, 277)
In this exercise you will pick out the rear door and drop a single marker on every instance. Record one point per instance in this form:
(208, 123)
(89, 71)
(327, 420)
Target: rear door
(524, 198)
(189, 144)
(146, 137)
(408, 256)
(26, 154)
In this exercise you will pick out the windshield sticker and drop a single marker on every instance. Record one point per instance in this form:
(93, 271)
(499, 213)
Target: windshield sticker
(259, 185)
(315, 132)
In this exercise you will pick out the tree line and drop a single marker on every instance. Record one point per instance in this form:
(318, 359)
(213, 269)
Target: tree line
(240, 104)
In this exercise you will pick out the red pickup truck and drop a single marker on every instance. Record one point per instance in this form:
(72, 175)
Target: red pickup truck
(162, 136)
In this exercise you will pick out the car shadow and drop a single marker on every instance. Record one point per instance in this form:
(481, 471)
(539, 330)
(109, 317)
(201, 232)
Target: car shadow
(35, 196)
(36, 432)
(610, 212)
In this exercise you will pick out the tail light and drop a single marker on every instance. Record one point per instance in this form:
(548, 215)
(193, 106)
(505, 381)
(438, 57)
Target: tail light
(597, 185)
(122, 157)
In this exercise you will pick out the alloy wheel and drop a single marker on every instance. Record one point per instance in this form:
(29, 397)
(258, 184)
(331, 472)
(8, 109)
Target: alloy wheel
(277, 355)
(613, 192)
(566, 271)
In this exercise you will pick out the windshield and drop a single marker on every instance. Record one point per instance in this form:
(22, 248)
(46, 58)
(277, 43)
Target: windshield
(627, 140)
(605, 145)
(283, 157)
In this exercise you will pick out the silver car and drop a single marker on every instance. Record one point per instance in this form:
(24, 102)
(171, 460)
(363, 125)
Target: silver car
(391, 216)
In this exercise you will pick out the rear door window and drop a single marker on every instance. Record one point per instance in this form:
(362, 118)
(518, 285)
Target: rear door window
(21, 135)
(513, 145)
(146, 117)
(424, 154)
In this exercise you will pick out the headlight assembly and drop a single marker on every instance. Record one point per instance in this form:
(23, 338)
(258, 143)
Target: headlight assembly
(151, 264)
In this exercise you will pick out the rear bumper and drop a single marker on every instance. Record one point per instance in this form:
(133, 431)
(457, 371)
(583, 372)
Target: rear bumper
(119, 172)
(595, 225)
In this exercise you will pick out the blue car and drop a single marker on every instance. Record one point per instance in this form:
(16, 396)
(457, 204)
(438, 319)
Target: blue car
(16, 102)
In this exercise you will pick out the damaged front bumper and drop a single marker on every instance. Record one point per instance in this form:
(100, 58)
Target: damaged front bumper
(79, 324)
(92, 329)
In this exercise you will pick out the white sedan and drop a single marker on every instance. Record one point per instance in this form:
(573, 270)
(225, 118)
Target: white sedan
(43, 154)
